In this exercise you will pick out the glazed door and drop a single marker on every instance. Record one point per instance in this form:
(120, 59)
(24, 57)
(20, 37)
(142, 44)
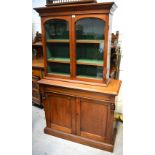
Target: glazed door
(92, 119)
(56, 31)
(60, 111)
(76, 47)
(90, 46)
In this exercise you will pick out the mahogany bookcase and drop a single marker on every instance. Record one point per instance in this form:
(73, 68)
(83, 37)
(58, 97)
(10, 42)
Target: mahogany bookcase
(78, 94)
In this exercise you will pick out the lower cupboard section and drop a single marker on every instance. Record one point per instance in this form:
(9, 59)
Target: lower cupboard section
(81, 120)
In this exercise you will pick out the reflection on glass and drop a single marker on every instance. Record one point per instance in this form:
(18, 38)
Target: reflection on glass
(90, 28)
(57, 29)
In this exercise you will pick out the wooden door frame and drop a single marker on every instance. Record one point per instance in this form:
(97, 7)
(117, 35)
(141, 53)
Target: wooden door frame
(105, 18)
(108, 129)
(43, 21)
(72, 44)
(47, 108)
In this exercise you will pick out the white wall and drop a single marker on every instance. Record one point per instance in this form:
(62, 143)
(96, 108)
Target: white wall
(36, 24)
(117, 25)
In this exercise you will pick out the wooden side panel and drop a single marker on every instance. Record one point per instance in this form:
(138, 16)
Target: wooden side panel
(61, 112)
(93, 119)
(46, 103)
(110, 128)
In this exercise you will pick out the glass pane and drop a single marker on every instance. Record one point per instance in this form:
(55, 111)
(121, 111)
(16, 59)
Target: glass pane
(90, 47)
(57, 47)
(57, 29)
(90, 51)
(89, 71)
(58, 68)
(90, 28)
(57, 50)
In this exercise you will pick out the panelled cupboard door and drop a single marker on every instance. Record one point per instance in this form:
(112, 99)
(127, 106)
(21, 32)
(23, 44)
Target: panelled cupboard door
(60, 111)
(92, 119)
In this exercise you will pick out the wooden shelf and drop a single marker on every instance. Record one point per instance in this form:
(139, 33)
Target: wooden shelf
(90, 41)
(89, 77)
(38, 63)
(62, 74)
(36, 90)
(89, 62)
(59, 60)
(37, 44)
(58, 41)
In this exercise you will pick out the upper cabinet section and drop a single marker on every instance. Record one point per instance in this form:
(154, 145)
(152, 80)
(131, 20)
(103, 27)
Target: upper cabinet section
(76, 40)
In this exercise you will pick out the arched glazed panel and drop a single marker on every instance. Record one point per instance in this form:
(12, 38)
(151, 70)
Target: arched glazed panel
(90, 47)
(57, 29)
(57, 47)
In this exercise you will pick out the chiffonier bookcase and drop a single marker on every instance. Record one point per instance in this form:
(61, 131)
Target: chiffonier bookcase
(78, 94)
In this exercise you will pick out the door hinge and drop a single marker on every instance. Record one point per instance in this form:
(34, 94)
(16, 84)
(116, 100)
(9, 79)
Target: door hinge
(43, 95)
(112, 106)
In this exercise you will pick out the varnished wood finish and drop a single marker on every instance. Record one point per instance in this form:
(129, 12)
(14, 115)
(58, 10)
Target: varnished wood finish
(71, 13)
(112, 88)
(73, 48)
(93, 8)
(79, 112)
(95, 114)
(38, 63)
(106, 50)
(79, 139)
(60, 107)
(80, 109)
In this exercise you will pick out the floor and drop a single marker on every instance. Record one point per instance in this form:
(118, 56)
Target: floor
(43, 144)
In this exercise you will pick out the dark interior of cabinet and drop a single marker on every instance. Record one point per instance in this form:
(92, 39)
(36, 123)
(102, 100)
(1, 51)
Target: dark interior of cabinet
(89, 71)
(89, 51)
(57, 50)
(59, 68)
